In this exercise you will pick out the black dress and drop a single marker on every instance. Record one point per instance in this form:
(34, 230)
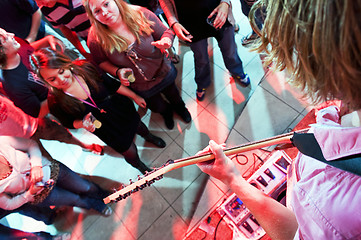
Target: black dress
(119, 122)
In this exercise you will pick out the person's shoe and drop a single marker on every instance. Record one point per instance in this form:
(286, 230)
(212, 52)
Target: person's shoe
(157, 141)
(107, 211)
(245, 41)
(95, 148)
(168, 119)
(144, 168)
(201, 93)
(243, 81)
(62, 236)
(185, 115)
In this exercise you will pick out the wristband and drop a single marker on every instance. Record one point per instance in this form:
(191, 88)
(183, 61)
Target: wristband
(116, 72)
(171, 26)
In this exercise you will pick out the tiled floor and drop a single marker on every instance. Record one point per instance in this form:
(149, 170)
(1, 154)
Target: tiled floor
(175, 204)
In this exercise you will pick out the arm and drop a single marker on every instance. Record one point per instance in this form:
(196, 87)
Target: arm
(44, 109)
(74, 39)
(48, 41)
(277, 220)
(163, 36)
(123, 90)
(33, 150)
(12, 202)
(222, 13)
(170, 12)
(35, 24)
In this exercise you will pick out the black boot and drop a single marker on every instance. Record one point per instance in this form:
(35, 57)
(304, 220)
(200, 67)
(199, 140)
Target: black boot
(168, 118)
(157, 141)
(183, 112)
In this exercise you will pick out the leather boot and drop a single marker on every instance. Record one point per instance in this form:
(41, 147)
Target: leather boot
(157, 141)
(168, 118)
(183, 112)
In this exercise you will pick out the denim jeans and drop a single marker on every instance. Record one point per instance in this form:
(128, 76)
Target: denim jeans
(259, 14)
(73, 190)
(228, 47)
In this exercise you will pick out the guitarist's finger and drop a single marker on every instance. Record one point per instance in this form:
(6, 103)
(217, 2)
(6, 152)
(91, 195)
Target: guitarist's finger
(204, 151)
(217, 149)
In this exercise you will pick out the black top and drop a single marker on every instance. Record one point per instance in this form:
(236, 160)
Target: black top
(22, 86)
(193, 16)
(119, 123)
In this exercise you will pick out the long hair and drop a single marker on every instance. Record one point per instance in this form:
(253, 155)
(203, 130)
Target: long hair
(132, 17)
(48, 58)
(319, 42)
(3, 57)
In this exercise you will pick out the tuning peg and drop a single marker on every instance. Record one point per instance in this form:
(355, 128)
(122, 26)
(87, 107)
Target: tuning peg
(130, 181)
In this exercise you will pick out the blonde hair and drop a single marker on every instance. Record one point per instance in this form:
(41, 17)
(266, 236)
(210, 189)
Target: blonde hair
(319, 41)
(132, 17)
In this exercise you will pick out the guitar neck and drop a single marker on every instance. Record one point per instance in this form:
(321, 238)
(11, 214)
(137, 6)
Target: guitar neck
(157, 174)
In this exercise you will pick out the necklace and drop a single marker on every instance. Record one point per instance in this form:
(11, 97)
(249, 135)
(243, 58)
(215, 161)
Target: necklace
(93, 104)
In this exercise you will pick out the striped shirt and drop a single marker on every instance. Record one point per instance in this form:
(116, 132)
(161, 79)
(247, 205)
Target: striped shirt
(73, 17)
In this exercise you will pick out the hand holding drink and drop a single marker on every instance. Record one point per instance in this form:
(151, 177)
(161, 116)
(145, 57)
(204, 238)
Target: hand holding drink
(126, 76)
(90, 123)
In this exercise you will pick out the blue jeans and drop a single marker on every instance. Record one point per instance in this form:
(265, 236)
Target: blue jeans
(73, 190)
(228, 47)
(259, 14)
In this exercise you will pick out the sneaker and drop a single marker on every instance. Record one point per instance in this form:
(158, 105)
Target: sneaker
(249, 39)
(245, 81)
(63, 236)
(201, 93)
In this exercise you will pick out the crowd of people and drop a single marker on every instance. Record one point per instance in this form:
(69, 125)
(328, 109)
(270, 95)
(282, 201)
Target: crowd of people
(123, 56)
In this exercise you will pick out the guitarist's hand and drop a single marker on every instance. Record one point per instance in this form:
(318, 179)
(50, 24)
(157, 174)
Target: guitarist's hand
(222, 167)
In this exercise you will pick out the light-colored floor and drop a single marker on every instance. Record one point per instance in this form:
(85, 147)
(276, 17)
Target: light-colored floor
(175, 204)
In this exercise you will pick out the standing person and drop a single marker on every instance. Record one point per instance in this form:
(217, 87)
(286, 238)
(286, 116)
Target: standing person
(23, 18)
(26, 177)
(80, 92)
(70, 17)
(246, 7)
(195, 24)
(319, 41)
(26, 90)
(132, 37)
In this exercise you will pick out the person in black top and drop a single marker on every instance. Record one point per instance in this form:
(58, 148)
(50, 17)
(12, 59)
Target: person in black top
(25, 89)
(83, 98)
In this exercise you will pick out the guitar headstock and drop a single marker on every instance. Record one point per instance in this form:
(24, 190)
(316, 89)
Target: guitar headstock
(143, 181)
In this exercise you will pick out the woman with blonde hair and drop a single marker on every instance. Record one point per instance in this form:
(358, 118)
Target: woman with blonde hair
(126, 38)
(319, 43)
